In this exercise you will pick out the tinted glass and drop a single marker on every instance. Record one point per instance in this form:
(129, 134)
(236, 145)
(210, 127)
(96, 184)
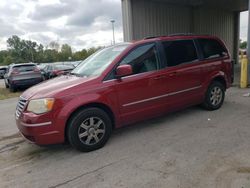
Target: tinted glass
(142, 59)
(178, 52)
(212, 48)
(24, 68)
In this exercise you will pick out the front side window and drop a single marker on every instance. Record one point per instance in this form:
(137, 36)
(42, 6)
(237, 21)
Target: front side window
(212, 48)
(179, 52)
(142, 59)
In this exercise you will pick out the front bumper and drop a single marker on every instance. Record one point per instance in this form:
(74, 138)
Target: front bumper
(39, 129)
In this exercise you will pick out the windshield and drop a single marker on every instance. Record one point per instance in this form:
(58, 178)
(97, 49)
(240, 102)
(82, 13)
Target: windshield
(99, 61)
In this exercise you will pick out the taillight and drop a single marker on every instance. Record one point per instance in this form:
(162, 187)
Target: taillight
(36, 70)
(15, 71)
(58, 72)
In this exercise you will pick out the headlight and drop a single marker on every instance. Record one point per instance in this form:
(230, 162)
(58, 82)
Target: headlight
(40, 106)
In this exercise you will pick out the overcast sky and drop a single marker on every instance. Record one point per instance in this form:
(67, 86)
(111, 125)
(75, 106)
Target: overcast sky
(80, 23)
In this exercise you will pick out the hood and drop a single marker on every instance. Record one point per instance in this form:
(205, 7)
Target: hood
(54, 86)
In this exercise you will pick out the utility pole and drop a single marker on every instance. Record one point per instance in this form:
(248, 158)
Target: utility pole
(113, 28)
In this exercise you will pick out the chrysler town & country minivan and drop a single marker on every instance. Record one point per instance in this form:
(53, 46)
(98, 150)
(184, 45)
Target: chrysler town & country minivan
(123, 84)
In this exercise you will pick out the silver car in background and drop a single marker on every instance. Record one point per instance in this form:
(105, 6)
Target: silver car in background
(22, 76)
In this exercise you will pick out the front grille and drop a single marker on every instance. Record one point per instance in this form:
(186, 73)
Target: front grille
(20, 106)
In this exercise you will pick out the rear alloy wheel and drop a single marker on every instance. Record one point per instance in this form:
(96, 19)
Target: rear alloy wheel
(215, 96)
(89, 129)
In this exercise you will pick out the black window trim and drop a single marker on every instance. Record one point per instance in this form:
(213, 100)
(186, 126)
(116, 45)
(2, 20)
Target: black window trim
(199, 57)
(211, 58)
(110, 75)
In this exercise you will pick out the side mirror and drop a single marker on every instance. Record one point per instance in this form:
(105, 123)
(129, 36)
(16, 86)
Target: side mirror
(123, 70)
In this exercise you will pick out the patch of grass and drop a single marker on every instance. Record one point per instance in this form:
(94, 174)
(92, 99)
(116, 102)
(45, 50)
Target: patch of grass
(6, 94)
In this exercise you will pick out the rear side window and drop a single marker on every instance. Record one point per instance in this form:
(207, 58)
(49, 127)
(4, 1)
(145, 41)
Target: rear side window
(211, 48)
(179, 52)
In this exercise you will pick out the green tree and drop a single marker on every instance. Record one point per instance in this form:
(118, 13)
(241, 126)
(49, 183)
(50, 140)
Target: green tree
(50, 56)
(16, 47)
(8, 60)
(66, 52)
(243, 45)
(3, 55)
(23, 51)
(80, 55)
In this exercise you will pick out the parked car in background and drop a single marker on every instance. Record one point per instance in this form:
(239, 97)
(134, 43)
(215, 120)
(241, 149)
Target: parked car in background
(3, 70)
(41, 66)
(22, 76)
(75, 63)
(56, 69)
(124, 84)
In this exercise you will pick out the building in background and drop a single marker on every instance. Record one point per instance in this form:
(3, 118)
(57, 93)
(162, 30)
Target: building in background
(144, 18)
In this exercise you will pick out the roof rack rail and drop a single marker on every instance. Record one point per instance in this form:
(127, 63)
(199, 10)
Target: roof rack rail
(170, 35)
(181, 34)
(175, 34)
(152, 37)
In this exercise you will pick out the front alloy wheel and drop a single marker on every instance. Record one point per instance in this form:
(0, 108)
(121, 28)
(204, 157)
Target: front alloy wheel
(89, 129)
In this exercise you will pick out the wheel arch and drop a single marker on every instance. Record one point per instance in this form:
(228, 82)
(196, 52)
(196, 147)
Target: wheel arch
(220, 79)
(101, 106)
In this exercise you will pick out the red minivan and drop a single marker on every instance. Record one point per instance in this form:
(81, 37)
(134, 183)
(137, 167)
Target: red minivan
(124, 84)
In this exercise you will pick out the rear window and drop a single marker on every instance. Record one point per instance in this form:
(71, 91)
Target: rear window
(179, 52)
(24, 68)
(211, 48)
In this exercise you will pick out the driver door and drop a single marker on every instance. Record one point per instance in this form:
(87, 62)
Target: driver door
(140, 94)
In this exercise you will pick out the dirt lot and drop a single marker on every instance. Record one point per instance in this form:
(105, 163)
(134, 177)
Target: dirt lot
(2, 83)
(188, 149)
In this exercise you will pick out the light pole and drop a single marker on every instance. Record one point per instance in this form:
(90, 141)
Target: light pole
(113, 28)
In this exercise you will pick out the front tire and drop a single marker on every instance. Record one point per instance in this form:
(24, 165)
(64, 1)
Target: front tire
(89, 129)
(214, 96)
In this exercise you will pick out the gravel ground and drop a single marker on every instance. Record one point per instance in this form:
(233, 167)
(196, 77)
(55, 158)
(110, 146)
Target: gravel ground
(188, 149)
(2, 83)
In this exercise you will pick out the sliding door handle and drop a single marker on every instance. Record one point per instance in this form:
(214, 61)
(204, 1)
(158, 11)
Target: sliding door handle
(172, 74)
(159, 77)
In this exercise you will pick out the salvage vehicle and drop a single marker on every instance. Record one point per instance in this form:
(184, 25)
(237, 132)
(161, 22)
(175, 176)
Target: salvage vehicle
(53, 70)
(123, 84)
(22, 76)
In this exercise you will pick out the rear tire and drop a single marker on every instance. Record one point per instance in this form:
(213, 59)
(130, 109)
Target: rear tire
(89, 129)
(214, 96)
(6, 85)
(12, 88)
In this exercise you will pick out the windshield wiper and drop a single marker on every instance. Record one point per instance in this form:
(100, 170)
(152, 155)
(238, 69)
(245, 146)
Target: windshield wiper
(75, 74)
